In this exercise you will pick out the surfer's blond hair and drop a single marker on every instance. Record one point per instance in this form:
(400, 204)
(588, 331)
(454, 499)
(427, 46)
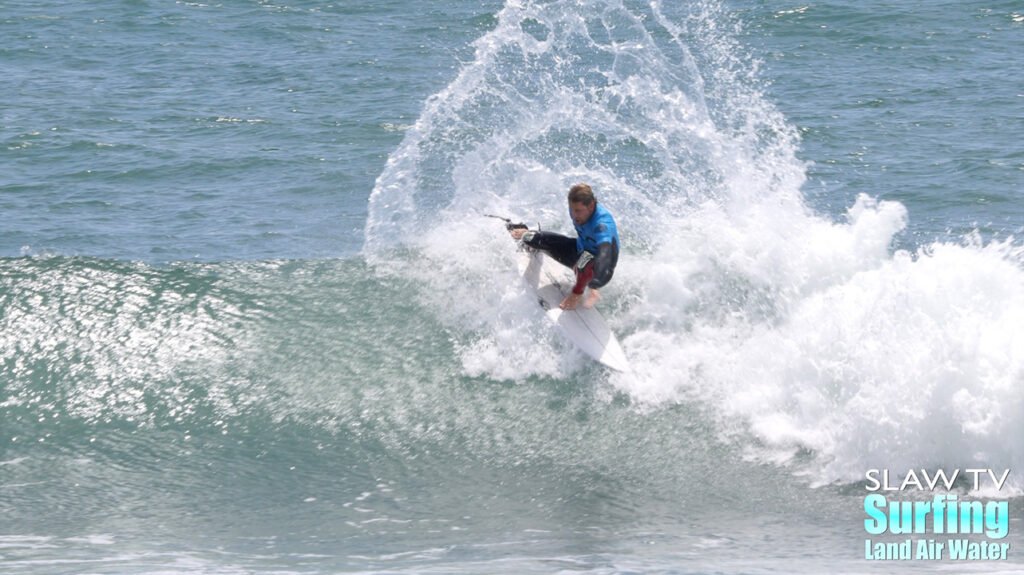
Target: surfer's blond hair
(582, 194)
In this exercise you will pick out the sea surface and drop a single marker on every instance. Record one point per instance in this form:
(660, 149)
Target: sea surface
(253, 319)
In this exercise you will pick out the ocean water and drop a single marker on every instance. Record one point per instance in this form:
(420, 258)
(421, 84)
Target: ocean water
(253, 318)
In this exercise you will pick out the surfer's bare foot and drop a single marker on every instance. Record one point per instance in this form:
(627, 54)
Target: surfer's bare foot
(571, 301)
(592, 299)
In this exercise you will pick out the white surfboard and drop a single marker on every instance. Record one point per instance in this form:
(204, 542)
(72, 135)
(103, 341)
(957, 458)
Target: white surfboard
(585, 327)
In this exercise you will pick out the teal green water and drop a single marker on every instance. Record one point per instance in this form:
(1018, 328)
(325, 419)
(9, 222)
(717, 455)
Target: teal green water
(253, 321)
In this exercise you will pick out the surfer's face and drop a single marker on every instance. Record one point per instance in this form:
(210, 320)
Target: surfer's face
(581, 212)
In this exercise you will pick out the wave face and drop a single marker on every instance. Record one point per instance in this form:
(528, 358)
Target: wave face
(805, 333)
(242, 417)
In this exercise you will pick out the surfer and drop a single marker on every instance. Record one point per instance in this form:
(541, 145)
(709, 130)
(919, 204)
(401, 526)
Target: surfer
(592, 254)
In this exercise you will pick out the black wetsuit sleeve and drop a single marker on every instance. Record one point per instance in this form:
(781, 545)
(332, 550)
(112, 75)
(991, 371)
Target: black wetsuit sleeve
(604, 264)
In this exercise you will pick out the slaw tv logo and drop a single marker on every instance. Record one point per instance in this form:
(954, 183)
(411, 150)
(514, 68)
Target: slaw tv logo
(907, 525)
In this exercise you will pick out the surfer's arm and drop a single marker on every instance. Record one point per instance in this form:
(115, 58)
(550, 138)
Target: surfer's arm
(603, 265)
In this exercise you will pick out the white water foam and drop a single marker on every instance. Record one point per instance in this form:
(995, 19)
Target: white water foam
(808, 339)
(825, 343)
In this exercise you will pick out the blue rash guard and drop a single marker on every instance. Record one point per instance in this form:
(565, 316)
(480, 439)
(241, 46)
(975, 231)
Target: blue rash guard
(600, 228)
(598, 236)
